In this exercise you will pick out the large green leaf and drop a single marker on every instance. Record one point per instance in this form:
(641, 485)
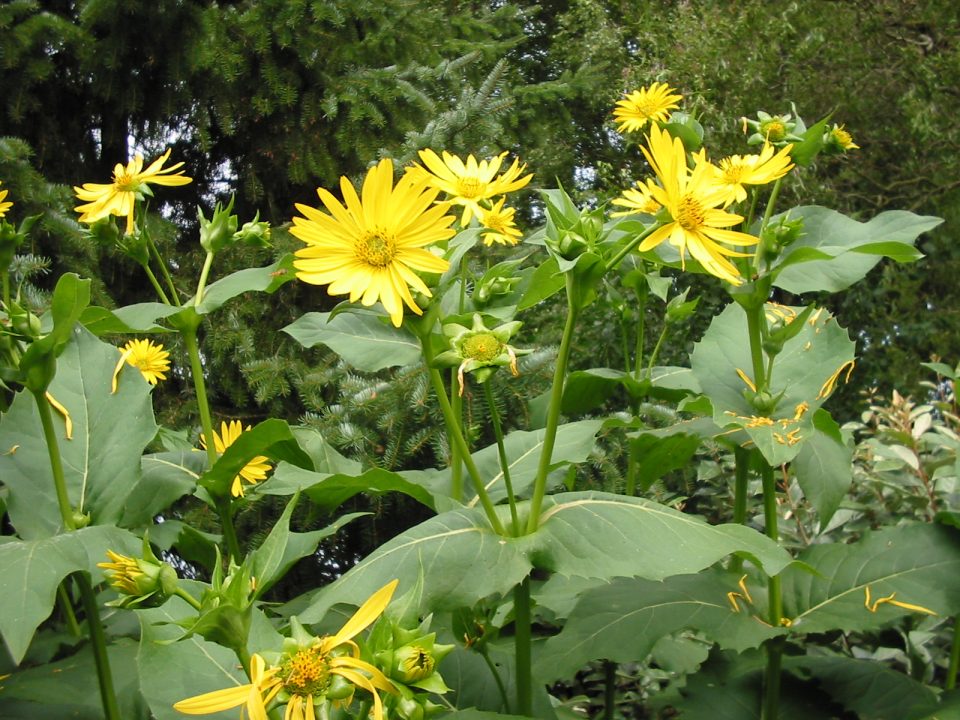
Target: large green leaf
(920, 564)
(102, 460)
(853, 247)
(587, 534)
(365, 341)
(588, 389)
(800, 373)
(138, 318)
(824, 467)
(164, 478)
(262, 279)
(623, 620)
(33, 569)
(574, 443)
(173, 671)
(69, 688)
(867, 687)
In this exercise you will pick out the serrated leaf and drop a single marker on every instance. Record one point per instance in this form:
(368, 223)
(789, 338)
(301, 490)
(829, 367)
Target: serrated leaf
(33, 569)
(824, 467)
(919, 563)
(855, 247)
(586, 534)
(622, 621)
(362, 340)
(102, 460)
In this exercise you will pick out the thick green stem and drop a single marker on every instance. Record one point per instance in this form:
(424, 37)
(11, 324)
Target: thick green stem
(98, 643)
(609, 690)
(741, 479)
(56, 463)
(453, 430)
(164, 271)
(502, 452)
(497, 679)
(202, 283)
(553, 411)
(456, 463)
(954, 656)
(156, 284)
(522, 640)
(66, 605)
(206, 423)
(774, 647)
(755, 320)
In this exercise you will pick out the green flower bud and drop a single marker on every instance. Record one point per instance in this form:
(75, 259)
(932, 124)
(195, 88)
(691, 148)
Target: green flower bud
(219, 230)
(254, 233)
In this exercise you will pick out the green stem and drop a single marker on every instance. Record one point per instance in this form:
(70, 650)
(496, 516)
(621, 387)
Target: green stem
(954, 656)
(98, 643)
(656, 351)
(202, 283)
(553, 411)
(156, 284)
(56, 463)
(66, 604)
(641, 333)
(5, 275)
(741, 478)
(456, 463)
(767, 214)
(629, 247)
(453, 429)
(522, 640)
(206, 423)
(755, 318)
(496, 677)
(364, 710)
(774, 648)
(194, 603)
(609, 689)
(631, 471)
(502, 452)
(165, 272)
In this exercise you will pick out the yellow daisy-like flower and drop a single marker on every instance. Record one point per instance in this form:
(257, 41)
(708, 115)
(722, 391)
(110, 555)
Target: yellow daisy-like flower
(842, 138)
(150, 359)
(692, 199)
(649, 104)
(637, 199)
(370, 246)
(468, 183)
(738, 170)
(499, 226)
(130, 183)
(303, 674)
(254, 471)
(4, 203)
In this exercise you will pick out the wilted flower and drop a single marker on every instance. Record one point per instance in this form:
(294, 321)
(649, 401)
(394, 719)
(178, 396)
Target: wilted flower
(479, 349)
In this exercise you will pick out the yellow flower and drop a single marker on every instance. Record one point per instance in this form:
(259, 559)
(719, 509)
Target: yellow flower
(369, 248)
(738, 170)
(692, 198)
(638, 199)
(841, 139)
(130, 183)
(498, 225)
(469, 183)
(151, 360)
(254, 471)
(4, 206)
(304, 672)
(652, 103)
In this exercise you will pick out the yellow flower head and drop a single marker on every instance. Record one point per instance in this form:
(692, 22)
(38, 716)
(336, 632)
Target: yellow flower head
(692, 199)
(652, 104)
(4, 203)
(130, 183)
(738, 170)
(840, 139)
(638, 199)
(498, 225)
(254, 471)
(305, 672)
(150, 359)
(468, 183)
(371, 245)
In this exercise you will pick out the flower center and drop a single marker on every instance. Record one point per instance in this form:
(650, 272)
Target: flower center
(125, 181)
(732, 172)
(469, 187)
(646, 108)
(483, 347)
(773, 130)
(690, 214)
(306, 673)
(376, 248)
(418, 665)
